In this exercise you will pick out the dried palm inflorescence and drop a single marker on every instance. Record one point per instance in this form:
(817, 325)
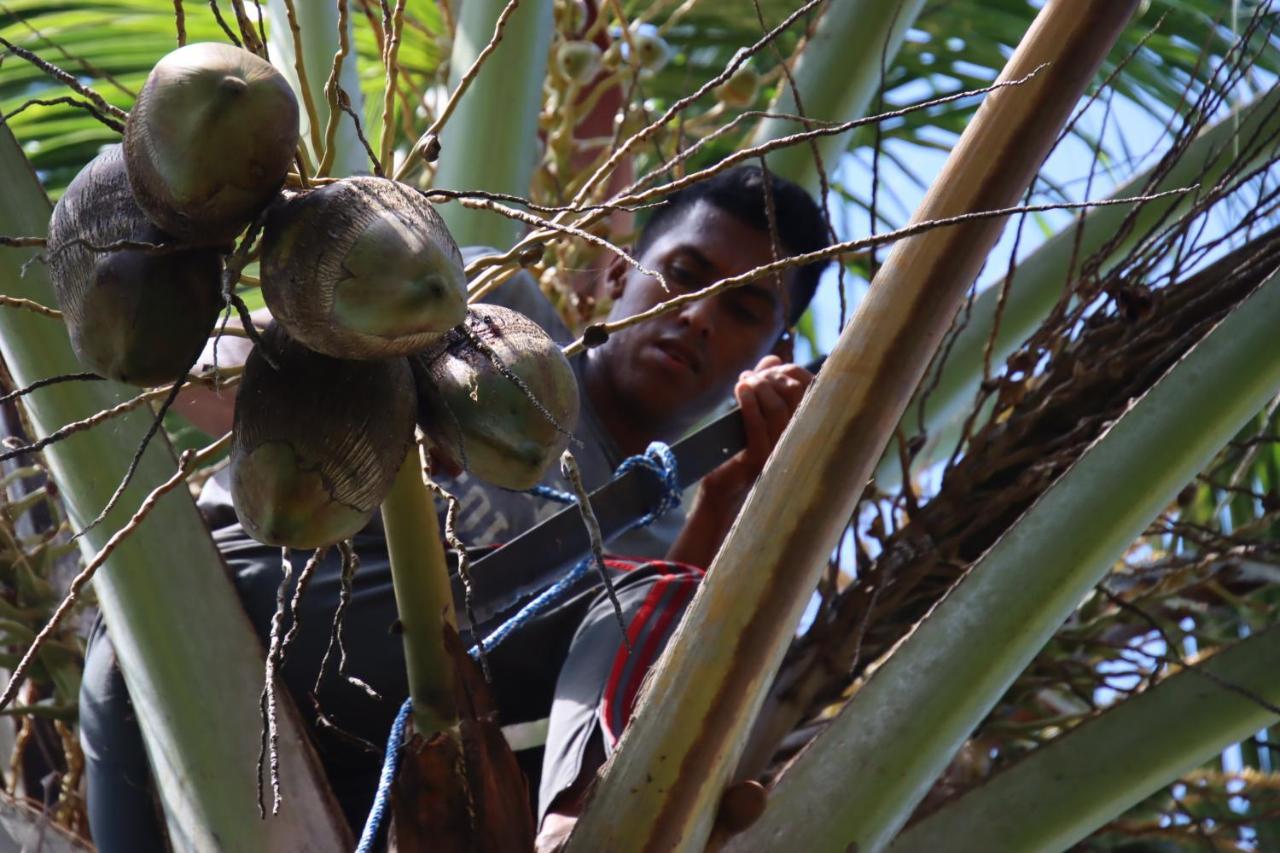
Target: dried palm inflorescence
(36, 559)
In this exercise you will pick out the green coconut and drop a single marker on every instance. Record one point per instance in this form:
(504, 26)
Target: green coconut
(134, 315)
(210, 140)
(362, 268)
(317, 442)
(482, 419)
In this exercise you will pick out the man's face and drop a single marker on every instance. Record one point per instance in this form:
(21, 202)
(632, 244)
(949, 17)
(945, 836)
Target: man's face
(678, 366)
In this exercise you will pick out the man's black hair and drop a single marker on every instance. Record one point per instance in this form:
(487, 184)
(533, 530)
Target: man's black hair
(740, 192)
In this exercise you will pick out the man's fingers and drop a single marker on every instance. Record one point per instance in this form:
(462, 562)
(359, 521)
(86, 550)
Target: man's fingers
(775, 408)
(791, 389)
(768, 361)
(755, 424)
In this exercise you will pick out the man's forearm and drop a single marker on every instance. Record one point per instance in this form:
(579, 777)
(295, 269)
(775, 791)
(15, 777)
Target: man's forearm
(209, 410)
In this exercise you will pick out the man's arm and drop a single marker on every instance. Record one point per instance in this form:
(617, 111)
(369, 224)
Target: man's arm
(207, 409)
(768, 396)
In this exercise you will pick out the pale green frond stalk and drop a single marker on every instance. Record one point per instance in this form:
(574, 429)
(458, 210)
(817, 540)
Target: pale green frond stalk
(191, 659)
(1039, 281)
(424, 600)
(663, 785)
(902, 727)
(837, 74)
(318, 23)
(491, 141)
(1068, 788)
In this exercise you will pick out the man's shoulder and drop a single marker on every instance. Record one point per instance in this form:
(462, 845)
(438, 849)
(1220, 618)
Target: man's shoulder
(521, 293)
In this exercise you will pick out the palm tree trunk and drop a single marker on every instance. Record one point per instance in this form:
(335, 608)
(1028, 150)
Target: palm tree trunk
(663, 785)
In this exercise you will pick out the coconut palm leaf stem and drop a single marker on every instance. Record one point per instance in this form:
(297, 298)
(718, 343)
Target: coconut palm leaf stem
(1065, 790)
(937, 685)
(831, 87)
(189, 654)
(662, 787)
(491, 140)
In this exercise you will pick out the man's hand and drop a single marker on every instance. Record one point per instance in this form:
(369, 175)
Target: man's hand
(768, 396)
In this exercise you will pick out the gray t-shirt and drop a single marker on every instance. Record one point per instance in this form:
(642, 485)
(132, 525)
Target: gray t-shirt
(489, 514)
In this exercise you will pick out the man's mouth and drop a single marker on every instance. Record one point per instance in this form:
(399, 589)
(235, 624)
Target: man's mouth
(679, 352)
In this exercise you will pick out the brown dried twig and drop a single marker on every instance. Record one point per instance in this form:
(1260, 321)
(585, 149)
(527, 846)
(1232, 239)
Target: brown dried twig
(156, 422)
(222, 22)
(270, 745)
(65, 79)
(631, 197)
(45, 383)
(390, 56)
(569, 468)
(455, 542)
(344, 103)
(331, 91)
(81, 425)
(30, 305)
(624, 148)
(300, 67)
(68, 100)
(585, 236)
(350, 563)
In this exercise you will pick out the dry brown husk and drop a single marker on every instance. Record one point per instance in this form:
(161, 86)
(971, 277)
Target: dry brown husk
(484, 421)
(134, 315)
(316, 443)
(362, 268)
(210, 140)
(462, 791)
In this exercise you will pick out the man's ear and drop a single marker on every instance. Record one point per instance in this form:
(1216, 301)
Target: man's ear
(785, 348)
(615, 277)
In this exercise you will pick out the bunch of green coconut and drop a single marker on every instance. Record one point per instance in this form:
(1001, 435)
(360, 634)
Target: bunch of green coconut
(365, 285)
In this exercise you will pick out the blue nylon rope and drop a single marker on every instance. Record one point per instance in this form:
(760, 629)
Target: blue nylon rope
(390, 764)
(658, 460)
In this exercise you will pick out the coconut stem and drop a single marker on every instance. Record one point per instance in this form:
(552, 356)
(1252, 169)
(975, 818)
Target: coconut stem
(313, 123)
(331, 91)
(463, 84)
(423, 596)
(391, 56)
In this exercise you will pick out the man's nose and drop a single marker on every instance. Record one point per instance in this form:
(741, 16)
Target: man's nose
(697, 315)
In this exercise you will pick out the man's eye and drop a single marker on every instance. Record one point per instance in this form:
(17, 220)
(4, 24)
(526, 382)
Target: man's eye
(746, 311)
(680, 274)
